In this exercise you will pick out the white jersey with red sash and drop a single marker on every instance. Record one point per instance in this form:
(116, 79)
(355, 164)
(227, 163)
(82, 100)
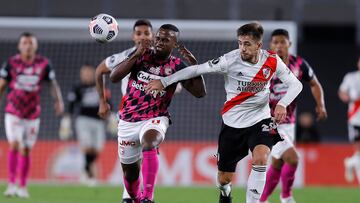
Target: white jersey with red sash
(247, 85)
(351, 85)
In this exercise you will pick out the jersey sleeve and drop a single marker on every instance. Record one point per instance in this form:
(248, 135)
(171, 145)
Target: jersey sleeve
(49, 72)
(307, 72)
(115, 59)
(289, 79)
(5, 71)
(218, 65)
(345, 84)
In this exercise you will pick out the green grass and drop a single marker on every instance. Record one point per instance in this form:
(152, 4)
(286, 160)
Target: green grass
(106, 194)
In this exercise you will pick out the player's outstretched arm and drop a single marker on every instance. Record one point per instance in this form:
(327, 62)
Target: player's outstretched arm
(218, 65)
(196, 86)
(318, 94)
(123, 69)
(101, 71)
(58, 100)
(3, 85)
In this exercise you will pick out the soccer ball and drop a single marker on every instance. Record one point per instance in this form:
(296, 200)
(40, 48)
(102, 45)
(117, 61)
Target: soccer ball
(103, 28)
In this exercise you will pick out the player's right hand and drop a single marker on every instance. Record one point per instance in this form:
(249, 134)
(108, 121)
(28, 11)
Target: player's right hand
(144, 45)
(104, 110)
(154, 87)
(279, 113)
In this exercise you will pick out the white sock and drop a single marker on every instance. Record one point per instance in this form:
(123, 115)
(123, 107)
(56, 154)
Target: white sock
(126, 194)
(255, 184)
(354, 160)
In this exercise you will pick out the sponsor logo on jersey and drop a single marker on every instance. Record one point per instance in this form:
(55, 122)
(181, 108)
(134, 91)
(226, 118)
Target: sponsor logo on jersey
(29, 70)
(147, 77)
(251, 86)
(112, 59)
(127, 143)
(155, 121)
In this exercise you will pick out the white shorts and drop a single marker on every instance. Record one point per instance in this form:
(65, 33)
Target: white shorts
(25, 131)
(354, 132)
(287, 131)
(130, 135)
(90, 132)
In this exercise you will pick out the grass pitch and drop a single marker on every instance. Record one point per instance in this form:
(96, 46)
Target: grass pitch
(109, 194)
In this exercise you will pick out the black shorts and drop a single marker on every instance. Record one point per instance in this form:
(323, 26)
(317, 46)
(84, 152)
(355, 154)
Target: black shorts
(234, 143)
(354, 133)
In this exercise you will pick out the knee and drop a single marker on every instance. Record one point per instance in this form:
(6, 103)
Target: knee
(151, 139)
(14, 146)
(224, 178)
(291, 158)
(260, 159)
(25, 151)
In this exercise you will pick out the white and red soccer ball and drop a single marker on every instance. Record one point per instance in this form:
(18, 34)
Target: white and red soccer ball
(103, 28)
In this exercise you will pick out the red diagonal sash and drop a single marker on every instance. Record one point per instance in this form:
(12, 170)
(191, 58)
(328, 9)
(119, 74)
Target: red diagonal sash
(260, 76)
(354, 110)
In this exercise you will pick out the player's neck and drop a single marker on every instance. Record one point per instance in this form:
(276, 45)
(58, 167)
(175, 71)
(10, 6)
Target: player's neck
(162, 57)
(27, 58)
(285, 59)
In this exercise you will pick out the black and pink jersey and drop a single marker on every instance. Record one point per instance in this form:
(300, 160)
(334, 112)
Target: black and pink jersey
(303, 71)
(136, 105)
(24, 85)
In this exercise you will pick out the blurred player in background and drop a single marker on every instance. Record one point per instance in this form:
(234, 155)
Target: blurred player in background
(284, 155)
(247, 123)
(142, 30)
(90, 128)
(349, 92)
(23, 75)
(144, 119)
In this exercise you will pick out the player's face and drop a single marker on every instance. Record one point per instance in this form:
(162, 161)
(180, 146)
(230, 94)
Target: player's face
(280, 44)
(27, 46)
(165, 41)
(87, 75)
(249, 47)
(141, 32)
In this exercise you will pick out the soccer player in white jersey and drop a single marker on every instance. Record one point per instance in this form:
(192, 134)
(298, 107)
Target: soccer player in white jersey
(349, 92)
(284, 155)
(142, 30)
(247, 123)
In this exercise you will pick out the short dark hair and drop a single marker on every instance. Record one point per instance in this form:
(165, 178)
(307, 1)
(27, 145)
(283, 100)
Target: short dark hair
(253, 29)
(169, 27)
(281, 32)
(142, 22)
(26, 34)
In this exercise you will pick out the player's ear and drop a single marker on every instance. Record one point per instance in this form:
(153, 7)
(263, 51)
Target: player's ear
(290, 43)
(260, 44)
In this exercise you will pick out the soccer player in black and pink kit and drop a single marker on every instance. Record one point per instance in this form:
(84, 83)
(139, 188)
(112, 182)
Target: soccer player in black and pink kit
(284, 155)
(23, 75)
(144, 118)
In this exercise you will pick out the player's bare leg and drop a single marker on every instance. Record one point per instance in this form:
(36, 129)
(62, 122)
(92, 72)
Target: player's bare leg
(91, 155)
(224, 184)
(150, 166)
(12, 169)
(257, 177)
(132, 180)
(353, 163)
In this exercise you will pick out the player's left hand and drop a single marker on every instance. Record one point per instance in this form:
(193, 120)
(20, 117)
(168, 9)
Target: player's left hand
(321, 113)
(186, 54)
(154, 87)
(279, 113)
(59, 108)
